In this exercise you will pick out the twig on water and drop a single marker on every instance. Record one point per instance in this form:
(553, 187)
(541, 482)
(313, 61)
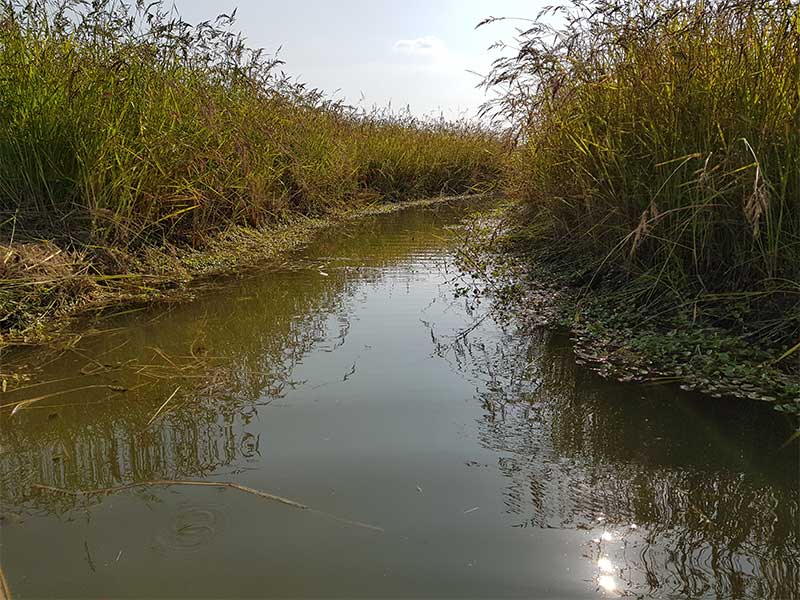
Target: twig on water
(463, 334)
(164, 482)
(218, 484)
(160, 408)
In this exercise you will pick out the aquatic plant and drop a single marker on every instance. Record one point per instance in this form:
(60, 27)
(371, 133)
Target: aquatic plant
(658, 143)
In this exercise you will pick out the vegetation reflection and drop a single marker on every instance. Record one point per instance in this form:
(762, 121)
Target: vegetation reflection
(679, 495)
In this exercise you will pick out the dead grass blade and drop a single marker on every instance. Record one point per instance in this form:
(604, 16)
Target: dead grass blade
(789, 352)
(160, 408)
(21, 404)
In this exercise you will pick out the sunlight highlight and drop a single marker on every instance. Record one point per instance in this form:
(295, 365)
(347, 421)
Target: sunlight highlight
(607, 583)
(605, 565)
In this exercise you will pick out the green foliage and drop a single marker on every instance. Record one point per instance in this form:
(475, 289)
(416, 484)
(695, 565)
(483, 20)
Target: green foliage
(662, 140)
(122, 123)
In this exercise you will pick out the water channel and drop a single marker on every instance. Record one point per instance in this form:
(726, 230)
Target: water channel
(442, 452)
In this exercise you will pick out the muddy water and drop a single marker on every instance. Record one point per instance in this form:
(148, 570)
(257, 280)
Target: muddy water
(441, 454)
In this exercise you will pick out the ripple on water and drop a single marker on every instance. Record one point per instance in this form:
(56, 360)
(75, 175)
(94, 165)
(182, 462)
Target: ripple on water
(190, 529)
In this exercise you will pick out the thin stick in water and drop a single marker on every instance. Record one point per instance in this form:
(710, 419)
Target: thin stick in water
(226, 484)
(160, 408)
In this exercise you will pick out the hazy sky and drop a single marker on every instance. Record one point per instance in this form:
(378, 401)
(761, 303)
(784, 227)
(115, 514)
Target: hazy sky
(407, 52)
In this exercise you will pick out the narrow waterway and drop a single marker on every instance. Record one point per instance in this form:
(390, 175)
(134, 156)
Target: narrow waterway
(441, 453)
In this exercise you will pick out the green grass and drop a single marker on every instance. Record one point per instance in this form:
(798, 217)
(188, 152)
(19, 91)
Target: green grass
(661, 141)
(124, 125)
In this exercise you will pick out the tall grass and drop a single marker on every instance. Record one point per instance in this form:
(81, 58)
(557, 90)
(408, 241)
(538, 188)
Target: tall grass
(122, 123)
(662, 139)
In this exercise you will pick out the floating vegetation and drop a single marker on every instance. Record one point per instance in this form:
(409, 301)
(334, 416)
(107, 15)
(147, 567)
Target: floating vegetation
(615, 339)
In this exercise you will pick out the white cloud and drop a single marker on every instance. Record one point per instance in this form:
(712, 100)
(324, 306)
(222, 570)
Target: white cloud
(426, 46)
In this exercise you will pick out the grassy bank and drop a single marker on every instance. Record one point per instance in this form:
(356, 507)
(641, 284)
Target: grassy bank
(658, 169)
(55, 289)
(535, 289)
(655, 171)
(128, 134)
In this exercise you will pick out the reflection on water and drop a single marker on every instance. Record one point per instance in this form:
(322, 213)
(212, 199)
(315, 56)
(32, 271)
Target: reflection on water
(676, 494)
(607, 583)
(351, 379)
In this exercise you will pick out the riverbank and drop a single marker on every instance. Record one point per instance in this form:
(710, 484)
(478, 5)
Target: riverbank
(613, 335)
(174, 151)
(658, 189)
(47, 287)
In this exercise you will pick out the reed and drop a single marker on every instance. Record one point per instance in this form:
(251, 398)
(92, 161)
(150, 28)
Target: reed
(122, 124)
(661, 140)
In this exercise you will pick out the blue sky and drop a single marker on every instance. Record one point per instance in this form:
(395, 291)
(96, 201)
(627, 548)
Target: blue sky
(374, 52)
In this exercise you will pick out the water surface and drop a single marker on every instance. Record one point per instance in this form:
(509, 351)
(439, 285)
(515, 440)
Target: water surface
(443, 453)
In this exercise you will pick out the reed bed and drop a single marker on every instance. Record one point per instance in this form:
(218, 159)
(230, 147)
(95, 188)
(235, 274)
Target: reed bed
(122, 124)
(129, 137)
(658, 147)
